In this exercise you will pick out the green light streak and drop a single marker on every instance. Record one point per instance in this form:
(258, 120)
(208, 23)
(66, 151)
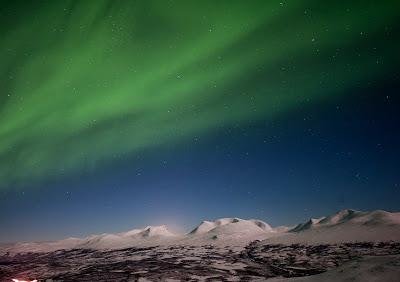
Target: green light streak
(83, 81)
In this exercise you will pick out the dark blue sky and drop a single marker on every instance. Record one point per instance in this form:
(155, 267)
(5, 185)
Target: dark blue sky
(121, 114)
(313, 162)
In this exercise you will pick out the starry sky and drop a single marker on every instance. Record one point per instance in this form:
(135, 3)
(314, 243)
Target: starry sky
(121, 114)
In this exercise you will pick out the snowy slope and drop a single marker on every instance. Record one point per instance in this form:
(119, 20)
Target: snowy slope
(345, 226)
(229, 231)
(137, 237)
(373, 269)
(150, 235)
(230, 225)
(352, 217)
(41, 246)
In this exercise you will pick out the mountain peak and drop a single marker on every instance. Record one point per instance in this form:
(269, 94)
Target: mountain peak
(349, 216)
(229, 223)
(342, 226)
(155, 231)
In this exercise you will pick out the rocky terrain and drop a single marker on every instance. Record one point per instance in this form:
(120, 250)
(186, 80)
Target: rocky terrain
(256, 262)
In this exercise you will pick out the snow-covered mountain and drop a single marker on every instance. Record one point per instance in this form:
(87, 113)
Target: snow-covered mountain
(68, 243)
(343, 226)
(376, 218)
(150, 235)
(229, 231)
(231, 225)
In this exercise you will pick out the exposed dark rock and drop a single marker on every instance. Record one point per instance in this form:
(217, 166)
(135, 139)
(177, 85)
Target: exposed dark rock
(187, 263)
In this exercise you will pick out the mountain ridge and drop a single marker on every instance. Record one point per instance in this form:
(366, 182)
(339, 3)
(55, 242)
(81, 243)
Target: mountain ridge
(344, 225)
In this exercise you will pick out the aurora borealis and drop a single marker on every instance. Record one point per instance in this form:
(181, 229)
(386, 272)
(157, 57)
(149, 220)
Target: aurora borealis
(87, 86)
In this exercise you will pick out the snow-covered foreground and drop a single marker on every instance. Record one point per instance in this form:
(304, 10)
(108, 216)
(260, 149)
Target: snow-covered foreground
(255, 262)
(366, 269)
(229, 249)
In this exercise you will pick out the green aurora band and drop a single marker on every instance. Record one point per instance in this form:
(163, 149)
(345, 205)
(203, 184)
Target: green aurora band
(85, 81)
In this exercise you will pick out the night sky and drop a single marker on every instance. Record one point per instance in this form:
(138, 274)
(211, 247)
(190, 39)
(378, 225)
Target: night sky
(122, 114)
